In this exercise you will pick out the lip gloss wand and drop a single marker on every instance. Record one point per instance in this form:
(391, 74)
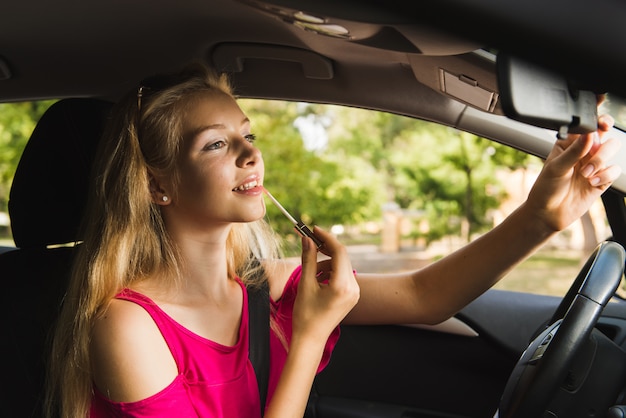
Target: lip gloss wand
(298, 225)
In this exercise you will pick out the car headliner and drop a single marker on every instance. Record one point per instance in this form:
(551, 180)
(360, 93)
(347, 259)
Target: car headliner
(392, 62)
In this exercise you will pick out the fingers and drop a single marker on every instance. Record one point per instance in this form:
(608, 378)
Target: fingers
(339, 260)
(336, 271)
(309, 261)
(594, 168)
(331, 243)
(324, 296)
(568, 152)
(589, 151)
(604, 178)
(324, 248)
(605, 123)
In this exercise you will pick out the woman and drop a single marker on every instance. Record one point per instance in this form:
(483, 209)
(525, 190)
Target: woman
(155, 320)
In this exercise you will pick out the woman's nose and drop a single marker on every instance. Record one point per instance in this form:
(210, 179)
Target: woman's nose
(248, 153)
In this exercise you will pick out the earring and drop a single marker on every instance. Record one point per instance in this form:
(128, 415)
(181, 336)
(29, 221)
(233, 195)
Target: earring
(164, 198)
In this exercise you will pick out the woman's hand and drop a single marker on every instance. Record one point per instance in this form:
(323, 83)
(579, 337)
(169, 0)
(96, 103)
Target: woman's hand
(327, 291)
(574, 175)
(325, 296)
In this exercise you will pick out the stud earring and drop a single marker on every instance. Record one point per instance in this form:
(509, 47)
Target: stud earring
(164, 198)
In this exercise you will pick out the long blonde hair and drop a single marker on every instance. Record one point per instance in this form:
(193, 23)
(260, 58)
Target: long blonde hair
(125, 239)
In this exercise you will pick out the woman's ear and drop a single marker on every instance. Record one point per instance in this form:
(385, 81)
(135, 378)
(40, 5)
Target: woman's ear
(159, 196)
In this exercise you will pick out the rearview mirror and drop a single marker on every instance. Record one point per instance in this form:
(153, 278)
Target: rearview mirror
(540, 97)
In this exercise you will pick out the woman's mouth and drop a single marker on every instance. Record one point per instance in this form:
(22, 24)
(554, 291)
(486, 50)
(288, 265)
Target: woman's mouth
(246, 186)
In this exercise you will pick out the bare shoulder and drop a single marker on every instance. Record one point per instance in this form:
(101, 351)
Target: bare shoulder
(278, 272)
(130, 359)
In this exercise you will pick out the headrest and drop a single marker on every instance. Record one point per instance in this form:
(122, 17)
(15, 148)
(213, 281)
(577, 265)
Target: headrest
(49, 190)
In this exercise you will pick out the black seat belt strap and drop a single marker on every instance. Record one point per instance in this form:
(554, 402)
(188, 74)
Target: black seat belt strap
(259, 323)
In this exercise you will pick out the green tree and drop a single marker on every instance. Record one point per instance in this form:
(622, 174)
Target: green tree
(371, 137)
(458, 176)
(447, 175)
(17, 121)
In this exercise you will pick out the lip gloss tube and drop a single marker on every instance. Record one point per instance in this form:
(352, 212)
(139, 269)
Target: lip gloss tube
(298, 225)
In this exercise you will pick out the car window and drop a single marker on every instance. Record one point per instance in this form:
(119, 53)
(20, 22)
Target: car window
(399, 192)
(17, 121)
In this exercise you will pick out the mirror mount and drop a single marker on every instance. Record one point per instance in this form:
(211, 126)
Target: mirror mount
(540, 97)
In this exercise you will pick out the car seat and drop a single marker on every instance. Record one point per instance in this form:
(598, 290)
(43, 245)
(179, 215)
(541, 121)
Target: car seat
(46, 204)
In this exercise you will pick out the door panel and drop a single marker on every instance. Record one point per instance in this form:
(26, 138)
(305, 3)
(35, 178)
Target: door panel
(405, 371)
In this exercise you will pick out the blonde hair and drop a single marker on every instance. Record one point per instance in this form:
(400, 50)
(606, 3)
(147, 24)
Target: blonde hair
(125, 236)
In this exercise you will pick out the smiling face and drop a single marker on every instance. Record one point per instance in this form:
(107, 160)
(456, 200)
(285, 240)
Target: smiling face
(220, 170)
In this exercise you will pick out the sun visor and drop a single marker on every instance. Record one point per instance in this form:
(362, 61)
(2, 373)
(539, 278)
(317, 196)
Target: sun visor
(469, 78)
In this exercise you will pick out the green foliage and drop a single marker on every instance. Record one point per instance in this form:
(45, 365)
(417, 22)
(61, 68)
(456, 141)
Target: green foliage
(447, 175)
(453, 180)
(17, 121)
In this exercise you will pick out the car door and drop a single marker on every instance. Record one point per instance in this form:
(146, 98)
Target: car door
(457, 369)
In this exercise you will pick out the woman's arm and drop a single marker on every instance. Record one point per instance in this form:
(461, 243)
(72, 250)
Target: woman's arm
(573, 177)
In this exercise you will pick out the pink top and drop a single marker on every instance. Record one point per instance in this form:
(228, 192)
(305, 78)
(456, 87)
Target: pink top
(214, 380)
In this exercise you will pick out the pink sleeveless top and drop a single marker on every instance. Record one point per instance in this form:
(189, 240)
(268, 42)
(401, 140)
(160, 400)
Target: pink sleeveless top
(214, 380)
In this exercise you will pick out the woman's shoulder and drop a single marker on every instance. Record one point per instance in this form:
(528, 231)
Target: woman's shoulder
(126, 345)
(278, 274)
(122, 319)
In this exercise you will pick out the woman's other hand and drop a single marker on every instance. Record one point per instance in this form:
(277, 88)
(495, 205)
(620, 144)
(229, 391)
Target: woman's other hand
(574, 175)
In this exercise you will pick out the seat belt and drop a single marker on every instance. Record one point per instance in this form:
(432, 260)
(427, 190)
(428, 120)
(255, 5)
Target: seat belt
(259, 323)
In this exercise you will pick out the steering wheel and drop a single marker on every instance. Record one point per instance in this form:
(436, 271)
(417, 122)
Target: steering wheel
(545, 368)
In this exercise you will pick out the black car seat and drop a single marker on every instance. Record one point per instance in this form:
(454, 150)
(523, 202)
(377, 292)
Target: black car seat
(46, 204)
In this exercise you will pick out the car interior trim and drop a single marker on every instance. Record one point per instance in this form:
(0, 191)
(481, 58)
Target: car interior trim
(452, 325)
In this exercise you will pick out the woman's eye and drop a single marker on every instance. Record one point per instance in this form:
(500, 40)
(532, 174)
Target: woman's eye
(215, 145)
(250, 137)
